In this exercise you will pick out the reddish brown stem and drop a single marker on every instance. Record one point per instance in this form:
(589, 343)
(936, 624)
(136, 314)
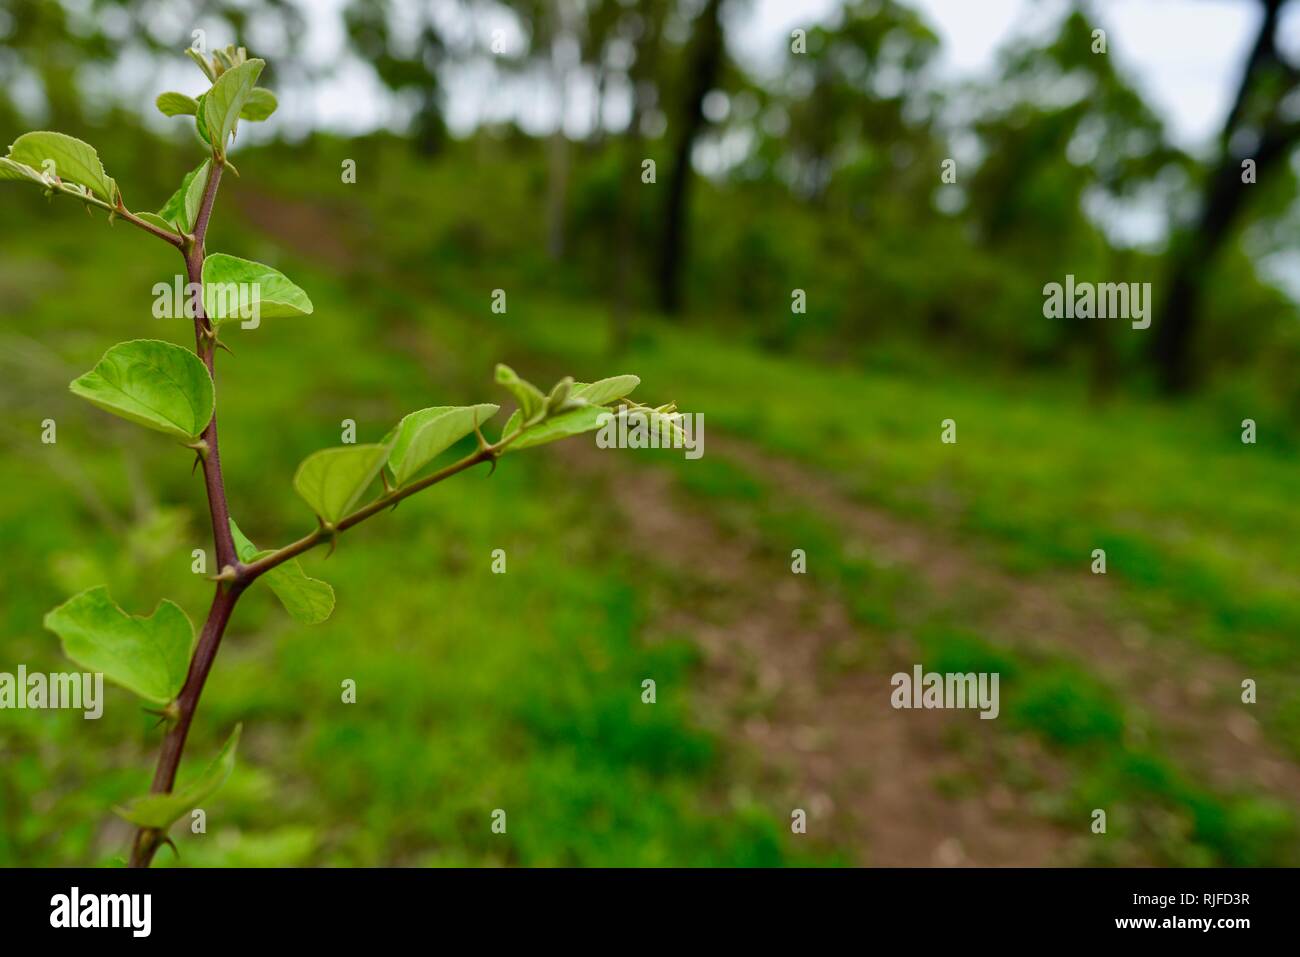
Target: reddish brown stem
(148, 840)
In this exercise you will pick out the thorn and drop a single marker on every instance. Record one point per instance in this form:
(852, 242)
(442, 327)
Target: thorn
(172, 844)
(333, 534)
(493, 460)
(198, 457)
(221, 345)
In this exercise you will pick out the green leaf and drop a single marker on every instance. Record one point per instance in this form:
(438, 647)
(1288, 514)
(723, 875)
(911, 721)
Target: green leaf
(74, 161)
(20, 171)
(261, 104)
(222, 103)
(201, 124)
(606, 390)
(530, 398)
(176, 104)
(155, 384)
(153, 219)
(332, 480)
(308, 600)
(203, 64)
(423, 435)
(234, 286)
(576, 422)
(149, 656)
(161, 811)
(183, 206)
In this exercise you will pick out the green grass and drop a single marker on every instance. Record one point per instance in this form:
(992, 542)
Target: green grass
(475, 691)
(1153, 802)
(522, 691)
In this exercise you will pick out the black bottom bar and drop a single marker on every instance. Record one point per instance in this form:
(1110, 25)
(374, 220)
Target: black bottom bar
(334, 906)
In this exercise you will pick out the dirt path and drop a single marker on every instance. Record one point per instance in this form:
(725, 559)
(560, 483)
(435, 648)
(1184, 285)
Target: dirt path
(867, 775)
(1193, 695)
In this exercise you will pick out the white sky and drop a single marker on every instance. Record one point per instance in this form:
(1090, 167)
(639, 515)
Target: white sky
(1184, 55)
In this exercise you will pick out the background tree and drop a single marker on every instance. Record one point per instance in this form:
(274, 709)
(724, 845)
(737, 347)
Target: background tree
(1259, 128)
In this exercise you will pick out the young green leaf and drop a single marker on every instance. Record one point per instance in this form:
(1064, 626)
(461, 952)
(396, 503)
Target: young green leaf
(155, 384)
(605, 390)
(203, 64)
(261, 104)
(308, 600)
(530, 398)
(233, 287)
(20, 171)
(183, 206)
(332, 480)
(574, 421)
(153, 219)
(149, 656)
(74, 161)
(200, 123)
(558, 400)
(163, 810)
(222, 103)
(580, 420)
(176, 104)
(423, 435)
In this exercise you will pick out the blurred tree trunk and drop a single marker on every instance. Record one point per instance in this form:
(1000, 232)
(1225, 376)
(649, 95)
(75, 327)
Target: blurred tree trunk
(704, 69)
(559, 33)
(641, 76)
(1266, 76)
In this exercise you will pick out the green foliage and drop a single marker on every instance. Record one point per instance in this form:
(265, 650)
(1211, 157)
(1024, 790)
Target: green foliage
(270, 291)
(562, 426)
(176, 104)
(170, 389)
(149, 656)
(606, 391)
(306, 599)
(202, 62)
(331, 481)
(153, 219)
(155, 384)
(532, 403)
(73, 161)
(182, 207)
(571, 409)
(161, 811)
(260, 105)
(223, 103)
(423, 435)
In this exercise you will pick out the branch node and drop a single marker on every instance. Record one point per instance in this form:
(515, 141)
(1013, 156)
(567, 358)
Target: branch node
(228, 575)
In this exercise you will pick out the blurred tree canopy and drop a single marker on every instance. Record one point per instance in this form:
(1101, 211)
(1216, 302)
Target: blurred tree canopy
(824, 171)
